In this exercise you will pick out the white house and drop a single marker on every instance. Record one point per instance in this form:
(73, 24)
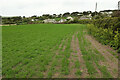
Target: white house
(70, 18)
(62, 20)
(107, 13)
(110, 12)
(80, 14)
(84, 17)
(49, 21)
(32, 19)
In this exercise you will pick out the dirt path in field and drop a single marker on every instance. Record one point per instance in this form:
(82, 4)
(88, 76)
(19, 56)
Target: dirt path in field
(99, 73)
(76, 55)
(72, 59)
(111, 61)
(61, 44)
(0, 78)
(83, 66)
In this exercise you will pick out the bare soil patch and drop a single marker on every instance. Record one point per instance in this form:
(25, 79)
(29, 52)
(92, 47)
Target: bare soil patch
(83, 66)
(72, 60)
(111, 61)
(76, 52)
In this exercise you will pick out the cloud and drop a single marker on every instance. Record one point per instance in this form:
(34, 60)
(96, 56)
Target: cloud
(39, 7)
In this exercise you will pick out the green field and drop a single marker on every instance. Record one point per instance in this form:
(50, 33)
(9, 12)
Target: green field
(54, 51)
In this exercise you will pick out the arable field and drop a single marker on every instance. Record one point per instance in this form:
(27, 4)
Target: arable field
(55, 51)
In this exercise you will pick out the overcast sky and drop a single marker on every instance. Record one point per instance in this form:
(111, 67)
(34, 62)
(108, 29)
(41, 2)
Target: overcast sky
(39, 7)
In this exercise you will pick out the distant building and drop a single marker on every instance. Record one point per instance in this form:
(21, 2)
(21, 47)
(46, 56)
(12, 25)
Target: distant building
(108, 13)
(34, 19)
(70, 18)
(86, 17)
(62, 20)
(49, 21)
(80, 14)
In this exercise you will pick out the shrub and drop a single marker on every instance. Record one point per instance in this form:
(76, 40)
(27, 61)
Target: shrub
(106, 31)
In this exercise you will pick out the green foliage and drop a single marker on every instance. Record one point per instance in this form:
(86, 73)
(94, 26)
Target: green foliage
(106, 23)
(50, 74)
(118, 50)
(78, 73)
(77, 64)
(91, 56)
(25, 56)
(104, 71)
(106, 31)
(117, 40)
(28, 50)
(116, 14)
(76, 20)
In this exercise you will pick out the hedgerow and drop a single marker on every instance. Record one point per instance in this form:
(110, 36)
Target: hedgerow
(106, 31)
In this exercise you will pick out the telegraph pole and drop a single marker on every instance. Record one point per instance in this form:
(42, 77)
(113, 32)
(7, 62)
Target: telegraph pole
(95, 8)
(118, 5)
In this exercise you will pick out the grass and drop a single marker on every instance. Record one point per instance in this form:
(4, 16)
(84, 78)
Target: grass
(77, 64)
(91, 56)
(113, 53)
(34, 46)
(78, 73)
(33, 51)
(0, 51)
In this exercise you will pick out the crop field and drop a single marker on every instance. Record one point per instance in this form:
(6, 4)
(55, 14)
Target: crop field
(55, 51)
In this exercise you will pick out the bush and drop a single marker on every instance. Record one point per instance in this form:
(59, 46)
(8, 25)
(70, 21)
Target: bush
(76, 20)
(106, 31)
(118, 50)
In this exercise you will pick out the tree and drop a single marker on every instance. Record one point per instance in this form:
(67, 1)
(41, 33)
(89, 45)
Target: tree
(47, 16)
(94, 13)
(54, 15)
(41, 18)
(75, 13)
(85, 13)
(23, 16)
(66, 14)
(116, 14)
(60, 15)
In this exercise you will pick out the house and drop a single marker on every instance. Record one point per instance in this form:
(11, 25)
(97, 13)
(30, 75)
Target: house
(107, 13)
(34, 19)
(62, 20)
(49, 21)
(70, 18)
(80, 14)
(85, 17)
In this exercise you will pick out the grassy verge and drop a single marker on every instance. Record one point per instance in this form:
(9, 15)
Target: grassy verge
(91, 55)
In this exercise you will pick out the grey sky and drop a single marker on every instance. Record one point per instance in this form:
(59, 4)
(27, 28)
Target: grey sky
(39, 7)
